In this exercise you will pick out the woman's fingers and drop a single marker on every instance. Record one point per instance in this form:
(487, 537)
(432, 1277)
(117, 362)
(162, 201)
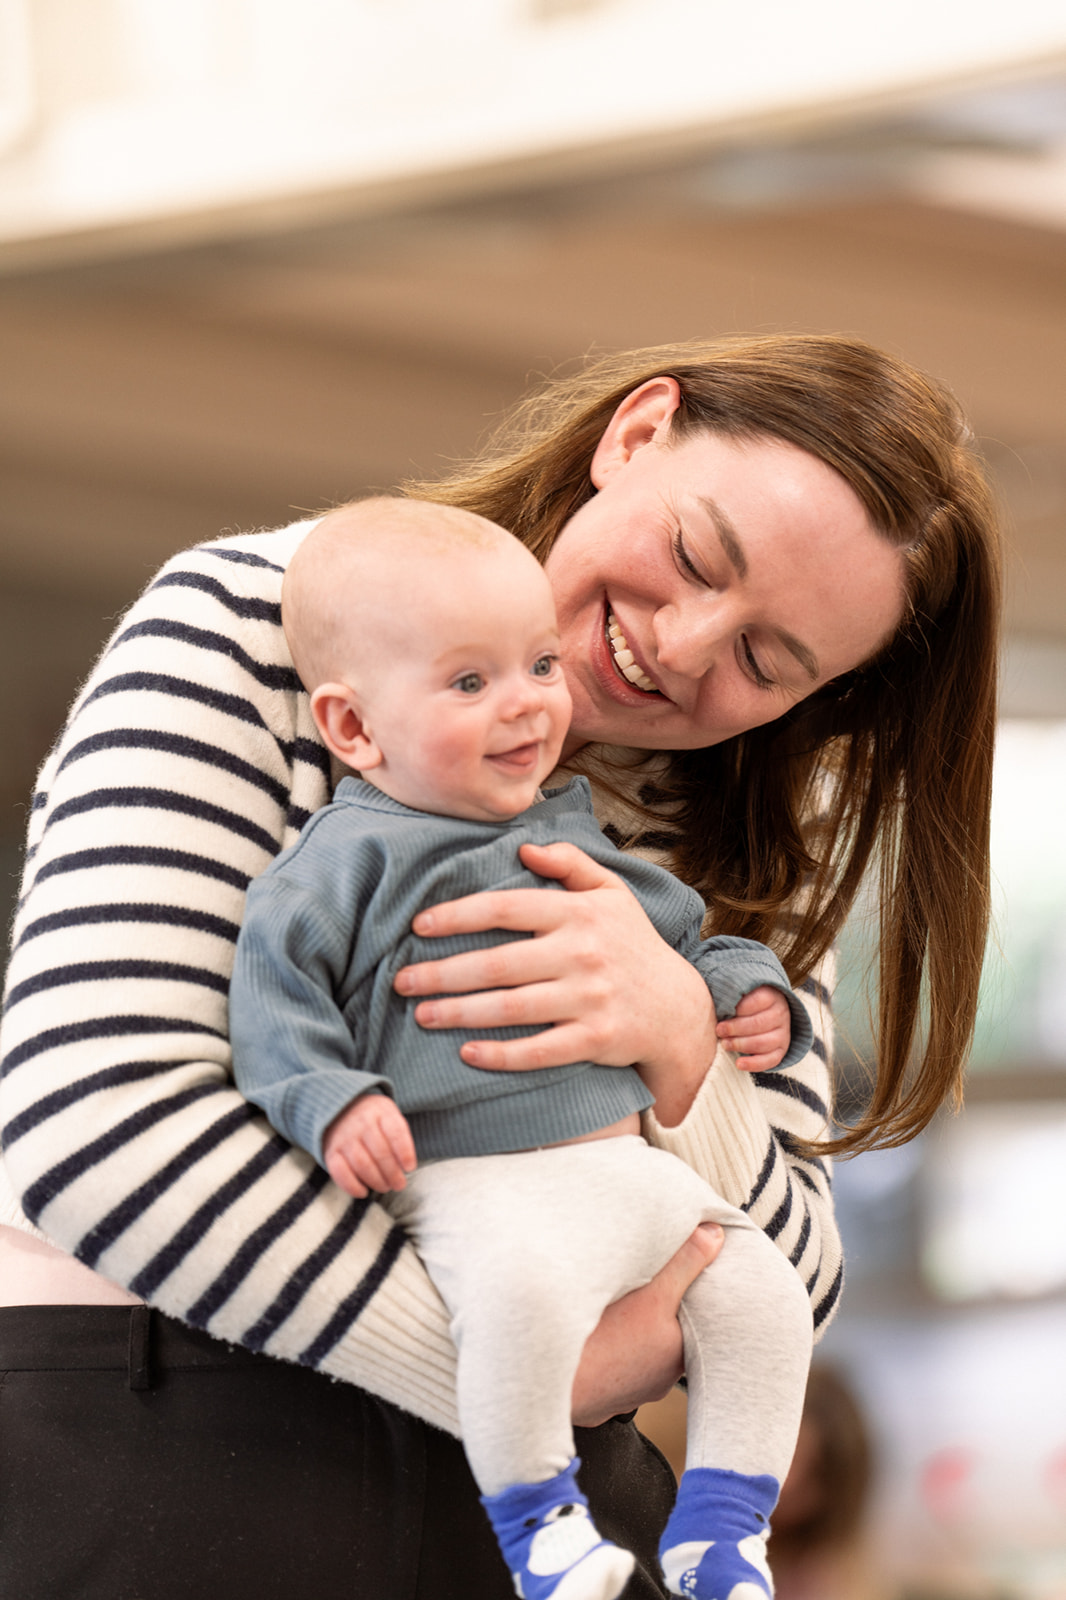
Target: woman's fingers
(567, 865)
(513, 910)
(501, 966)
(684, 1267)
(555, 1047)
(634, 1354)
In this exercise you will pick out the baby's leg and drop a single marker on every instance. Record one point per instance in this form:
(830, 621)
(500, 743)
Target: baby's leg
(747, 1331)
(526, 1251)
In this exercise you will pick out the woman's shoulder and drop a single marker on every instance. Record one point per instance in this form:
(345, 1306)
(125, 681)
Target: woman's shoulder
(248, 562)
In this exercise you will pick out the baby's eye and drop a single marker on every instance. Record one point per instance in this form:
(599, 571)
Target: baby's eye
(469, 683)
(543, 667)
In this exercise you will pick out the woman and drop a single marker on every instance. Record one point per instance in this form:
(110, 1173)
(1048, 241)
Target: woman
(776, 571)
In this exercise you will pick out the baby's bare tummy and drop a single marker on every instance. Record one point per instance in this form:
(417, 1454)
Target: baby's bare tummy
(630, 1124)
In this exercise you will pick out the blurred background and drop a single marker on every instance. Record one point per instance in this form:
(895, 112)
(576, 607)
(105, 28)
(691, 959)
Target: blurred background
(257, 256)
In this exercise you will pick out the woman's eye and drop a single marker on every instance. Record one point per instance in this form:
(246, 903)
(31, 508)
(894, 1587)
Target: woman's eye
(753, 666)
(543, 667)
(470, 683)
(684, 560)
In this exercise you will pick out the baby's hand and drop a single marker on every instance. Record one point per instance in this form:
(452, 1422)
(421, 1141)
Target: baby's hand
(760, 1032)
(369, 1146)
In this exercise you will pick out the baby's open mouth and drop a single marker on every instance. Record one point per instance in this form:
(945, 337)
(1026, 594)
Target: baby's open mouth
(624, 659)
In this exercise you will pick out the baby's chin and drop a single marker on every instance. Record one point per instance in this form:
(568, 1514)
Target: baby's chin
(496, 809)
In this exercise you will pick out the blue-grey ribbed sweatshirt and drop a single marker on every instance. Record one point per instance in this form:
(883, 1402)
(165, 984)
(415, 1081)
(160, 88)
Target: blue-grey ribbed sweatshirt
(314, 1019)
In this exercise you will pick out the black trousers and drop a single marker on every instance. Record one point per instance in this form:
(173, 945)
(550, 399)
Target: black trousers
(141, 1460)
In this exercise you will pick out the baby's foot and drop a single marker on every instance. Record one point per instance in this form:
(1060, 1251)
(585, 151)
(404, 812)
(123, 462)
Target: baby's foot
(550, 1542)
(715, 1570)
(731, 1565)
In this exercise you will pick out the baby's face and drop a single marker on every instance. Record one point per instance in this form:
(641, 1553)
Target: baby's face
(471, 709)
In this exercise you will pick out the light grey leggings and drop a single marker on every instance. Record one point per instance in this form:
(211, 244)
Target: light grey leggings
(528, 1249)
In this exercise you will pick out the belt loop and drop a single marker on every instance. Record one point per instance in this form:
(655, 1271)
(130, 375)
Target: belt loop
(139, 1353)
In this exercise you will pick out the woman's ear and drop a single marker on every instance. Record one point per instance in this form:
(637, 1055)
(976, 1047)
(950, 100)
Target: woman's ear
(344, 733)
(644, 417)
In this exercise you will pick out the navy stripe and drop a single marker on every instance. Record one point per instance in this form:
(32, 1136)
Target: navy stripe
(298, 817)
(144, 855)
(825, 1306)
(305, 1275)
(59, 1177)
(804, 1234)
(120, 1217)
(764, 1176)
(264, 672)
(116, 1027)
(805, 1178)
(794, 1088)
(51, 1104)
(255, 1246)
(39, 800)
(123, 911)
(167, 1260)
(244, 557)
(98, 971)
(780, 1216)
(316, 754)
(175, 744)
(137, 797)
(230, 705)
(817, 990)
(250, 607)
(657, 840)
(352, 1307)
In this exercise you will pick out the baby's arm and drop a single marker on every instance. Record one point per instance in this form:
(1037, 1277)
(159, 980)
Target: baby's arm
(760, 1018)
(759, 1031)
(369, 1146)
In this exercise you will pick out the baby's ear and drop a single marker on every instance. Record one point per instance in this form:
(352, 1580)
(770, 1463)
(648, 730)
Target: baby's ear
(340, 722)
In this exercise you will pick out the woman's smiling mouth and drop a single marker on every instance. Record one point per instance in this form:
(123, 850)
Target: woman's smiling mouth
(624, 659)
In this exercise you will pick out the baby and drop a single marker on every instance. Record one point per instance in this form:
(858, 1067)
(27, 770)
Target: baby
(428, 640)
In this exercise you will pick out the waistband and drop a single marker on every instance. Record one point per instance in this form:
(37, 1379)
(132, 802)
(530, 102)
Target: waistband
(137, 1340)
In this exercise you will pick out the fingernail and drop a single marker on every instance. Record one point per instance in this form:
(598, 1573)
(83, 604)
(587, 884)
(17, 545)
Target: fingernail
(402, 982)
(423, 922)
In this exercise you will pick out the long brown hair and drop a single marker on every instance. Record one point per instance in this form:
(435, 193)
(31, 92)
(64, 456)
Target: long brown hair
(891, 762)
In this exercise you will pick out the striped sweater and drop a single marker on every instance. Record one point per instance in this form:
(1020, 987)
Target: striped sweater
(188, 761)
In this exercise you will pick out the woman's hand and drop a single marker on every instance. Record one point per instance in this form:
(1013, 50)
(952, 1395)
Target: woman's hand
(596, 976)
(634, 1354)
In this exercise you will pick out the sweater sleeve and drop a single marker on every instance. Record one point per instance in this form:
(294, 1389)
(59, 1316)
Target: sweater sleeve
(188, 761)
(296, 1055)
(741, 1134)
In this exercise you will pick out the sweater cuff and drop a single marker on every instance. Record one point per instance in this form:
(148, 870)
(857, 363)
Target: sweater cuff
(401, 1348)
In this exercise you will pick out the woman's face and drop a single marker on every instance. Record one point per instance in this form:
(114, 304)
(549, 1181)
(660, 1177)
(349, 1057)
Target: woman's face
(710, 585)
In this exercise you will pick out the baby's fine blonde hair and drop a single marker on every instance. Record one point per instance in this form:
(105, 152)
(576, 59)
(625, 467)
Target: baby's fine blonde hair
(352, 568)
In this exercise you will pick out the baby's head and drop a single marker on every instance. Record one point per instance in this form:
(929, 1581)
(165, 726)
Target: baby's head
(427, 639)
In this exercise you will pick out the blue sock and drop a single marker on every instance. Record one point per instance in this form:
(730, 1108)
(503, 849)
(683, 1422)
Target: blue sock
(714, 1547)
(550, 1543)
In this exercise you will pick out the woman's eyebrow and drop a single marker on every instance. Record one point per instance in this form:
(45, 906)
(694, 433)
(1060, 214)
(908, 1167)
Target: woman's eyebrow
(727, 536)
(733, 551)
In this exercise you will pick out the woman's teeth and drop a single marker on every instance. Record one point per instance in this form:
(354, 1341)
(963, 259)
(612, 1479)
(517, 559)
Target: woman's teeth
(623, 658)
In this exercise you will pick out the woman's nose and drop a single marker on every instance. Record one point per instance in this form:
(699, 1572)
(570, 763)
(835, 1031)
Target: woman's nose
(688, 638)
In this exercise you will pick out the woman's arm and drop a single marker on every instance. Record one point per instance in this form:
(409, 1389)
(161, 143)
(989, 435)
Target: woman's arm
(188, 761)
